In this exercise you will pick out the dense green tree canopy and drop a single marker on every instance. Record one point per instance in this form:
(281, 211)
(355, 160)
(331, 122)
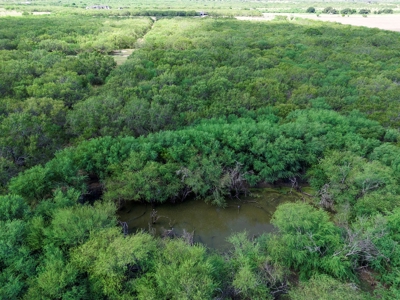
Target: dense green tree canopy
(204, 108)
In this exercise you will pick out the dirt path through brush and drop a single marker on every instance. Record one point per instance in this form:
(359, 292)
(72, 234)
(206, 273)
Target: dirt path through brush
(120, 56)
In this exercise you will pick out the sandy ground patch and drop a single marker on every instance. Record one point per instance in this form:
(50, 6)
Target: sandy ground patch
(386, 22)
(11, 13)
(39, 13)
(120, 56)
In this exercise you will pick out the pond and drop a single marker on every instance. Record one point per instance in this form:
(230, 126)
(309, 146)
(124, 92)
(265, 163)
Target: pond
(211, 225)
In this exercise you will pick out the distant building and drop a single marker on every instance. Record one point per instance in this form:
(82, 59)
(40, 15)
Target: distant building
(98, 7)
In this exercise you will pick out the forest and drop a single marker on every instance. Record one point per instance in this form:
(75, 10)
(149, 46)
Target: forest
(203, 109)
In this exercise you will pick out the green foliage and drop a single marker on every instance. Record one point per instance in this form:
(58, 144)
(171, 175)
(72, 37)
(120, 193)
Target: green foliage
(324, 287)
(348, 11)
(72, 33)
(210, 160)
(114, 262)
(307, 241)
(330, 10)
(384, 11)
(153, 182)
(204, 107)
(247, 264)
(32, 131)
(181, 272)
(16, 261)
(343, 177)
(12, 207)
(364, 11)
(32, 184)
(72, 226)
(57, 278)
(310, 10)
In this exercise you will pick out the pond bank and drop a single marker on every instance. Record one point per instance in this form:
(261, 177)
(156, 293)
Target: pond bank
(209, 224)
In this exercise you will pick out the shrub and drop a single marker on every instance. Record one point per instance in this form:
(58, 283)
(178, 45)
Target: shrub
(307, 241)
(330, 10)
(348, 11)
(387, 11)
(364, 11)
(325, 287)
(326, 10)
(310, 10)
(384, 11)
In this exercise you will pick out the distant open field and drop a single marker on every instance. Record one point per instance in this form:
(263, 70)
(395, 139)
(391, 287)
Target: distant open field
(5, 13)
(13, 13)
(386, 22)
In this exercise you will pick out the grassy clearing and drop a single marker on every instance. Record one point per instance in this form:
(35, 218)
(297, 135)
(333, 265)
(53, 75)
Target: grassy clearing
(120, 56)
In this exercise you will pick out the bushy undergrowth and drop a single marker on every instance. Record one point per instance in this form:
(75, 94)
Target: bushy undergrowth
(206, 109)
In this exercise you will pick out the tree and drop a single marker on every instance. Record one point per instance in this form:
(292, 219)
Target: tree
(310, 10)
(324, 287)
(348, 11)
(57, 278)
(364, 11)
(181, 272)
(116, 263)
(12, 207)
(307, 241)
(327, 10)
(71, 226)
(33, 132)
(66, 86)
(17, 263)
(249, 265)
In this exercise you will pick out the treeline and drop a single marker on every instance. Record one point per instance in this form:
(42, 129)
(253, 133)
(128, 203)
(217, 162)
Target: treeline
(150, 8)
(190, 69)
(223, 156)
(186, 69)
(350, 11)
(69, 34)
(171, 12)
(41, 80)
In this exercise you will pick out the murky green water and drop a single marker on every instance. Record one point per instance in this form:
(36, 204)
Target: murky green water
(211, 225)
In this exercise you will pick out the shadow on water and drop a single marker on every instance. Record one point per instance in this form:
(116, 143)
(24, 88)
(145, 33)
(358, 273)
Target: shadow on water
(211, 225)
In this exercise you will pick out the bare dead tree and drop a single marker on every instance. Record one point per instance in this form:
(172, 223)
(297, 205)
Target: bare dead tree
(187, 190)
(360, 246)
(153, 216)
(237, 180)
(370, 184)
(295, 184)
(314, 247)
(124, 226)
(188, 237)
(326, 199)
(152, 230)
(345, 170)
(168, 233)
(276, 281)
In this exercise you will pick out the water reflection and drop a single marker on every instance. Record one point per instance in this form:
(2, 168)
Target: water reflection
(211, 225)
